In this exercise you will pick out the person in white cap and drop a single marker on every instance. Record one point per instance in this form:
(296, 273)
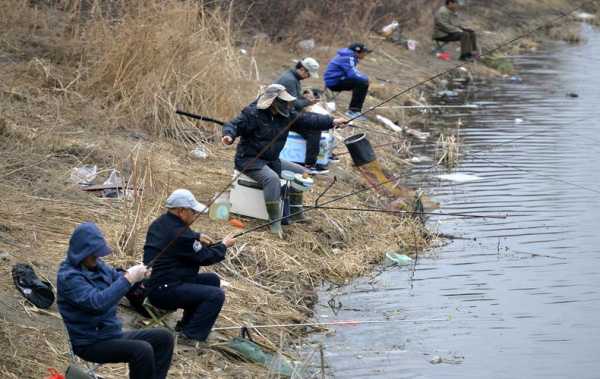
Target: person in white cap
(176, 253)
(290, 79)
(262, 128)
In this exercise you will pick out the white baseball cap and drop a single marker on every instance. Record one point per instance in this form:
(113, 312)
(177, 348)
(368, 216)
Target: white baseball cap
(182, 198)
(312, 66)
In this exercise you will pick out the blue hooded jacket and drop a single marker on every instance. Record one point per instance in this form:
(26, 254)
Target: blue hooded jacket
(343, 66)
(88, 299)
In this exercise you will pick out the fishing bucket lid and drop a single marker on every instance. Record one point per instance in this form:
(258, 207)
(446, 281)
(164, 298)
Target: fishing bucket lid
(272, 92)
(38, 292)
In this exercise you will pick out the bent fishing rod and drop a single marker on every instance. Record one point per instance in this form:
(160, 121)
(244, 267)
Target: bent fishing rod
(348, 122)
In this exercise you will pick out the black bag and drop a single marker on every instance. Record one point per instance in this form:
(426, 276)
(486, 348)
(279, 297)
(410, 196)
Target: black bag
(38, 292)
(136, 296)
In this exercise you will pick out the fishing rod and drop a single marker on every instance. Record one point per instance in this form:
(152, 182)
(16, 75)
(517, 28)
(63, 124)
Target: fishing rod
(465, 106)
(391, 211)
(342, 322)
(199, 117)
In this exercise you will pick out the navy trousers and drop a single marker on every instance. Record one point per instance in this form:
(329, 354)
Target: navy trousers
(359, 90)
(148, 352)
(201, 300)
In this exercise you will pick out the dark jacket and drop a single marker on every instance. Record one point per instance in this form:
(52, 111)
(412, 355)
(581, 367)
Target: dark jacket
(342, 67)
(259, 129)
(291, 81)
(445, 22)
(88, 299)
(182, 259)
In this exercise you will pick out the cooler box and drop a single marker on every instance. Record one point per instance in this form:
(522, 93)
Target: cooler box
(295, 148)
(247, 198)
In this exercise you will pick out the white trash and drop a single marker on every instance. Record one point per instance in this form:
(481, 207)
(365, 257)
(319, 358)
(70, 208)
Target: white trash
(459, 177)
(390, 28)
(307, 44)
(200, 152)
(84, 175)
(411, 45)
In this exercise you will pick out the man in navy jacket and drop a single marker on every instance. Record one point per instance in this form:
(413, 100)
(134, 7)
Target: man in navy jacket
(176, 253)
(89, 292)
(343, 75)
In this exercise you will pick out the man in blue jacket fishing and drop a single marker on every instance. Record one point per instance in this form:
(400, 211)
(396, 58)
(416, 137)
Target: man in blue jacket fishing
(343, 75)
(89, 292)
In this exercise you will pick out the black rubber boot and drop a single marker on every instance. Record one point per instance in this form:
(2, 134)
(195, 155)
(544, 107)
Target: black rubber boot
(297, 208)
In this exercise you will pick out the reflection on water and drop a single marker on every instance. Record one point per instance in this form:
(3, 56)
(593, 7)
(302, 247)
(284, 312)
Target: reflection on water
(521, 295)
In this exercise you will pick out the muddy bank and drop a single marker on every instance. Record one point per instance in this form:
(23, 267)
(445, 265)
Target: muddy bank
(57, 115)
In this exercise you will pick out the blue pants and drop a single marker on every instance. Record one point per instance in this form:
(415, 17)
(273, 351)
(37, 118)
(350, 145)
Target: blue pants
(201, 300)
(148, 352)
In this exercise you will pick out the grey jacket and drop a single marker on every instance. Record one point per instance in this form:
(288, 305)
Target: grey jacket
(445, 22)
(291, 81)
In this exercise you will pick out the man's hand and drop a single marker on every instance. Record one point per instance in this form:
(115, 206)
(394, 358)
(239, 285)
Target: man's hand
(206, 240)
(340, 123)
(227, 140)
(229, 241)
(308, 95)
(136, 273)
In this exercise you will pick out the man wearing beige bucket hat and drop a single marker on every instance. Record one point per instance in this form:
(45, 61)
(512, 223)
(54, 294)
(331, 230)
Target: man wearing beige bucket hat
(262, 128)
(290, 79)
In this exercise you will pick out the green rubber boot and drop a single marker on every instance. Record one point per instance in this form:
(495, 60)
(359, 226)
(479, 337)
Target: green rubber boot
(297, 208)
(274, 212)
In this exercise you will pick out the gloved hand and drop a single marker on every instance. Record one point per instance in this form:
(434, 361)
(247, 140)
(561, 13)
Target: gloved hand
(136, 273)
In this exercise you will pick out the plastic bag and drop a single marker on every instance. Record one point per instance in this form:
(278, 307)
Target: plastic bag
(84, 175)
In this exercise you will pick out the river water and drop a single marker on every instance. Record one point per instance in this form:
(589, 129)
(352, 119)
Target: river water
(518, 297)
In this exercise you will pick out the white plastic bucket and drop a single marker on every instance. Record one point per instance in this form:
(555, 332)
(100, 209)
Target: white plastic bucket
(295, 148)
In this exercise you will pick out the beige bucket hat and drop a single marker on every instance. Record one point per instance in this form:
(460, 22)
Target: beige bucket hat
(271, 93)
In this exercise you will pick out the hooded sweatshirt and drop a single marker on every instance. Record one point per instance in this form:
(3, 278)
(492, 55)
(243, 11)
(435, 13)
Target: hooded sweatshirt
(88, 299)
(342, 67)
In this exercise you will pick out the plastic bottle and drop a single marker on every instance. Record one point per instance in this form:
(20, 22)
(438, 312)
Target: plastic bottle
(220, 208)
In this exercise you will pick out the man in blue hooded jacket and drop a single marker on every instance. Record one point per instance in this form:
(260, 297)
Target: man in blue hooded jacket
(343, 75)
(89, 292)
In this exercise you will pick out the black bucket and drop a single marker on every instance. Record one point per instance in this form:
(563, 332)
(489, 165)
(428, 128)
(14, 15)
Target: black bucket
(360, 149)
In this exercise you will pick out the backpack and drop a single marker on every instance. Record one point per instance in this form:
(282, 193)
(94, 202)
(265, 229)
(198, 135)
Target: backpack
(36, 291)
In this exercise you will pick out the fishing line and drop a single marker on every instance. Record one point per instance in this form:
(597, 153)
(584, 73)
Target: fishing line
(541, 175)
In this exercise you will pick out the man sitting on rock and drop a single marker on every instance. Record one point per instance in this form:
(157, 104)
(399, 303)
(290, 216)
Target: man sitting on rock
(176, 253)
(343, 75)
(89, 292)
(262, 128)
(304, 69)
(447, 29)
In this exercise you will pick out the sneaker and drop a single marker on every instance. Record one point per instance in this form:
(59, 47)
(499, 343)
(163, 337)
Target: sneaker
(334, 158)
(355, 116)
(316, 170)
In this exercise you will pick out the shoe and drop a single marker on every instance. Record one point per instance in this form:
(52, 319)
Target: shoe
(316, 169)
(466, 57)
(185, 341)
(274, 212)
(334, 158)
(355, 116)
